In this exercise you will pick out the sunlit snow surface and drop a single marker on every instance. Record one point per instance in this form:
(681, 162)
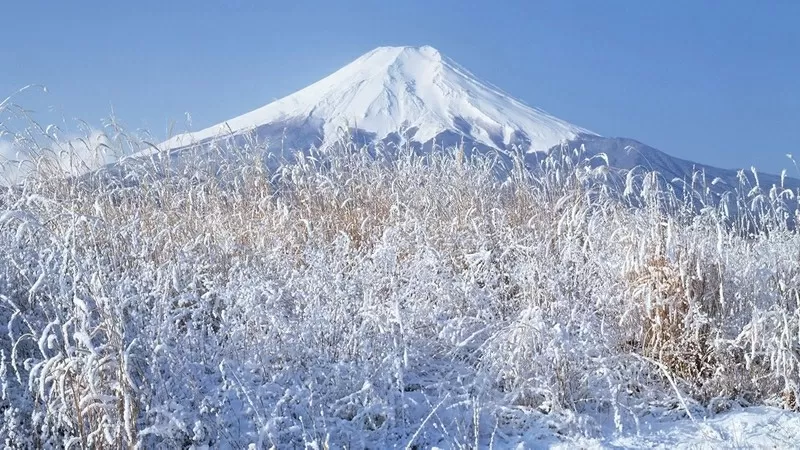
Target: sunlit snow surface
(391, 89)
(755, 427)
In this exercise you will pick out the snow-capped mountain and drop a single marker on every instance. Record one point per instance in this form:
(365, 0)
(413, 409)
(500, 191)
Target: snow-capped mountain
(416, 91)
(419, 96)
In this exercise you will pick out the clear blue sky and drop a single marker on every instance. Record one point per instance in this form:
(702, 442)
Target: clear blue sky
(717, 82)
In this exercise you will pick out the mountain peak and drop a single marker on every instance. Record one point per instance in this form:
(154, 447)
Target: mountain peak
(424, 51)
(409, 61)
(391, 64)
(390, 89)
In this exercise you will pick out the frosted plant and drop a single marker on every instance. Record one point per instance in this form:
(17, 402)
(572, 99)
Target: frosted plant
(367, 297)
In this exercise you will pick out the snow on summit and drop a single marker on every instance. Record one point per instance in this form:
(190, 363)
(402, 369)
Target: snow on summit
(416, 94)
(394, 89)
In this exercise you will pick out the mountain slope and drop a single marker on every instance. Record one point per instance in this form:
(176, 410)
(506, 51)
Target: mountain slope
(414, 90)
(417, 95)
(626, 154)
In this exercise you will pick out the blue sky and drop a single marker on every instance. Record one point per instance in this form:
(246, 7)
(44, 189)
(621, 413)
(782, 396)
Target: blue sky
(716, 82)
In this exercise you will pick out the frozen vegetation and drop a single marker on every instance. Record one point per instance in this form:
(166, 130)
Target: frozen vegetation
(374, 298)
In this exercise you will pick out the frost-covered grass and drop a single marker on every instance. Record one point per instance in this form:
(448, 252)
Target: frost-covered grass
(361, 300)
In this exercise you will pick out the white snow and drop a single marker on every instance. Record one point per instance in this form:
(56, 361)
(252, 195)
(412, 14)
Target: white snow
(754, 427)
(395, 88)
(759, 427)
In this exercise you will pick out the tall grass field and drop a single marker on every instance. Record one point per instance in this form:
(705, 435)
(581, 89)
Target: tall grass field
(376, 298)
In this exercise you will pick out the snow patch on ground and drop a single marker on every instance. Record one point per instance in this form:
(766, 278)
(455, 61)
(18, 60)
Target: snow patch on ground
(754, 427)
